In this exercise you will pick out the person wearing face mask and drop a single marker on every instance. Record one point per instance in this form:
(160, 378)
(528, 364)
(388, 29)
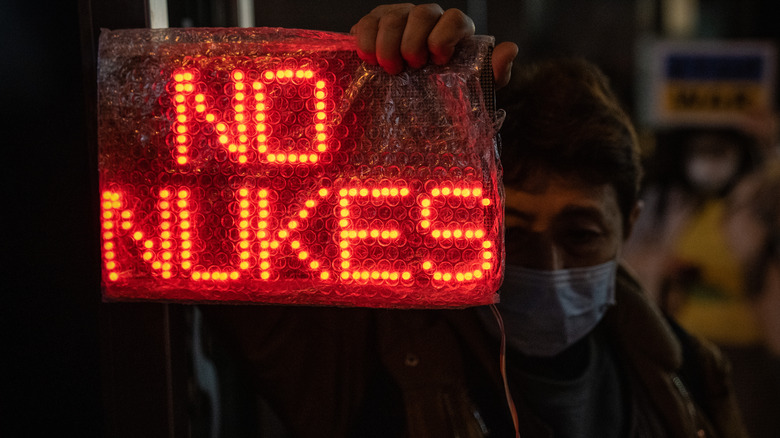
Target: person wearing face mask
(587, 353)
(714, 162)
(707, 275)
(689, 174)
(679, 248)
(752, 230)
(574, 316)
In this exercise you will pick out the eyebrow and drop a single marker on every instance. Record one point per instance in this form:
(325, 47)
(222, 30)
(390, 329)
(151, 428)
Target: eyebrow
(570, 211)
(580, 211)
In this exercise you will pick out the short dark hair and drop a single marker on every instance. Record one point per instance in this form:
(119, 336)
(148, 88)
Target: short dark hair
(562, 116)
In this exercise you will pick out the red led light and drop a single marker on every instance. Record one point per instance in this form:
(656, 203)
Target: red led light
(247, 175)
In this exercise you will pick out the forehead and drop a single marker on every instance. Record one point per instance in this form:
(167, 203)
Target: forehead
(544, 198)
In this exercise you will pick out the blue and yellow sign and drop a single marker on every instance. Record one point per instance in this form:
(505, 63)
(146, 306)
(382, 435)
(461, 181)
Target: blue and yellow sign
(709, 82)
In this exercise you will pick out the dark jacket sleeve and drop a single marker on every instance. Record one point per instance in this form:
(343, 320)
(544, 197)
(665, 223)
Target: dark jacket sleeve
(687, 379)
(306, 362)
(707, 375)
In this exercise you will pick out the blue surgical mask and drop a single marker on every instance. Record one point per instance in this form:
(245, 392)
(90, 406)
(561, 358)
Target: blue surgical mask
(545, 312)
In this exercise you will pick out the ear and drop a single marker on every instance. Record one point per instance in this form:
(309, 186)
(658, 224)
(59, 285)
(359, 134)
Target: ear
(632, 218)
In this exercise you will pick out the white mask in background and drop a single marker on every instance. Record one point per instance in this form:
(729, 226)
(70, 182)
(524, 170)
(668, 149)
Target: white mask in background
(710, 173)
(545, 312)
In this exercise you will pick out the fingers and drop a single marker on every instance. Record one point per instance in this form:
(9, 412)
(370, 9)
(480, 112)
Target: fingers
(503, 56)
(452, 27)
(390, 34)
(414, 45)
(394, 35)
(371, 28)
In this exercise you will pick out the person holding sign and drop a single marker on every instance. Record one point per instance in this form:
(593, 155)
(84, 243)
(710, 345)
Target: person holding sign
(588, 354)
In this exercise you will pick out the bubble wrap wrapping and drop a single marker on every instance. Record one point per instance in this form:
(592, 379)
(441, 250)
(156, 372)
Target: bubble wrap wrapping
(271, 165)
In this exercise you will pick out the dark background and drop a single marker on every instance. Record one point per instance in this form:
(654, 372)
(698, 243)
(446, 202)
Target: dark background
(61, 344)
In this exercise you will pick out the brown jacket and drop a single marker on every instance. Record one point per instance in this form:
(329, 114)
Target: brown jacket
(687, 378)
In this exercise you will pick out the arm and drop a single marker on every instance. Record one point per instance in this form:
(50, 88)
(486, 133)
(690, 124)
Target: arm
(406, 34)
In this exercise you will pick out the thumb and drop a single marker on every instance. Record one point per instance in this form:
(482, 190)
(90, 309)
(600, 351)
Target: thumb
(503, 56)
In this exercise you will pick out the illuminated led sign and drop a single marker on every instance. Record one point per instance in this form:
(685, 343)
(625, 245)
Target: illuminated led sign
(273, 166)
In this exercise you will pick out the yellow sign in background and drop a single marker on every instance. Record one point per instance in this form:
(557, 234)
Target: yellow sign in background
(714, 97)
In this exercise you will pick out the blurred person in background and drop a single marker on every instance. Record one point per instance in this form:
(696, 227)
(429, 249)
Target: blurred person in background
(677, 248)
(680, 249)
(752, 231)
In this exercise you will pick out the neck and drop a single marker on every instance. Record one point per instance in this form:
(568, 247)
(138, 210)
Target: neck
(566, 365)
